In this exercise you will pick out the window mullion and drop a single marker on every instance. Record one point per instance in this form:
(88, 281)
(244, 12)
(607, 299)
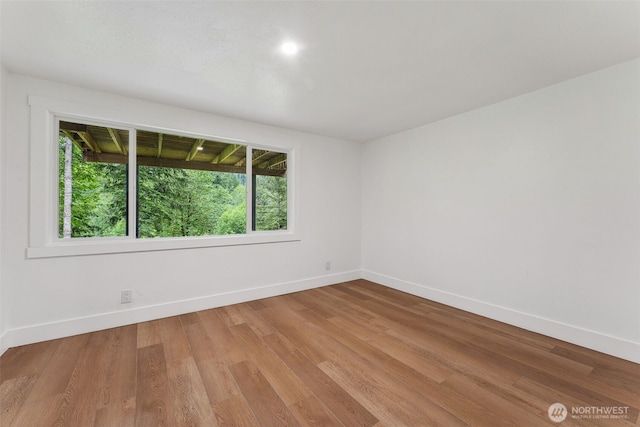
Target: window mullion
(249, 187)
(132, 187)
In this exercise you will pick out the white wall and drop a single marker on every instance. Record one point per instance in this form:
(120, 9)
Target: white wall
(3, 311)
(526, 211)
(60, 296)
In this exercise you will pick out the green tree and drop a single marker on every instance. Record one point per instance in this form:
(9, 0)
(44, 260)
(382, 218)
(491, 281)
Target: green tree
(98, 200)
(181, 202)
(233, 220)
(271, 203)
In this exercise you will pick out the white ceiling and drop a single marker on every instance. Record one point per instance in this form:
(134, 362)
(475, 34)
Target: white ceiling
(365, 69)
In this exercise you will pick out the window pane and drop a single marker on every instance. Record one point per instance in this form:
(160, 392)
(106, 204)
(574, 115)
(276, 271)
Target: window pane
(190, 186)
(92, 181)
(270, 190)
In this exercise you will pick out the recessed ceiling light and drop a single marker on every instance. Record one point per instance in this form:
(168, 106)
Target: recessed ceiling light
(289, 48)
(200, 148)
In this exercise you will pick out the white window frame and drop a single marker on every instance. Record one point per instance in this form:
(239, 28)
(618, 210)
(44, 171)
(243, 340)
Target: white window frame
(44, 241)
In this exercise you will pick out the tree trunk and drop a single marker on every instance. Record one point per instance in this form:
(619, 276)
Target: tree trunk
(68, 183)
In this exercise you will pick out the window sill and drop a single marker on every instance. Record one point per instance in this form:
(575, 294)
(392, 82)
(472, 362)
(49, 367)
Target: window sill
(100, 246)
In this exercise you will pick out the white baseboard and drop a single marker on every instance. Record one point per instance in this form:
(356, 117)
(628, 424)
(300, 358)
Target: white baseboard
(70, 327)
(614, 346)
(4, 343)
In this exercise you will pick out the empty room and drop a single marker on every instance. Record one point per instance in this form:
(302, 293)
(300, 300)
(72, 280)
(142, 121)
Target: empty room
(319, 213)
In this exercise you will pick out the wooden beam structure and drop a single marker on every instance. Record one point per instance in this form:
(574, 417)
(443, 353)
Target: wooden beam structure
(115, 136)
(274, 162)
(109, 145)
(73, 127)
(194, 149)
(70, 136)
(88, 139)
(258, 155)
(90, 156)
(160, 137)
(226, 153)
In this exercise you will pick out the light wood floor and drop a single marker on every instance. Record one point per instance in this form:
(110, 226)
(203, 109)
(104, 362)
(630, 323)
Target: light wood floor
(353, 354)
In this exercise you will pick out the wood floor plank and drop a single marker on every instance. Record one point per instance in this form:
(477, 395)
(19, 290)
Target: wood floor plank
(13, 394)
(117, 402)
(174, 341)
(120, 371)
(379, 291)
(311, 412)
(83, 392)
(350, 288)
(383, 403)
(515, 414)
(192, 407)
(223, 338)
(600, 361)
(54, 378)
(189, 319)
(413, 358)
(417, 366)
(217, 380)
(215, 374)
(453, 355)
(42, 412)
(254, 320)
(587, 389)
(364, 331)
(283, 302)
(230, 315)
(351, 354)
(534, 357)
(288, 386)
(256, 305)
(202, 344)
(235, 412)
(419, 323)
(348, 309)
(339, 402)
(262, 398)
(154, 406)
(289, 325)
(616, 378)
(26, 360)
(393, 300)
(149, 333)
(120, 414)
(482, 327)
(311, 300)
(463, 407)
(357, 356)
(327, 336)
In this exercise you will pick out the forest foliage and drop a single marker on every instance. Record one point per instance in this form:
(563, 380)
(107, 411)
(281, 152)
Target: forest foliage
(170, 202)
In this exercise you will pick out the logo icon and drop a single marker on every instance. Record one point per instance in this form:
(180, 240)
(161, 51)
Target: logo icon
(557, 412)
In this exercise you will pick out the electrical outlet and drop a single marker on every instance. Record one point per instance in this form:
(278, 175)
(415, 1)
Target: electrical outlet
(126, 296)
(327, 265)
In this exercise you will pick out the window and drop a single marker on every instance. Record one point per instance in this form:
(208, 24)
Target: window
(92, 193)
(270, 190)
(119, 186)
(185, 186)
